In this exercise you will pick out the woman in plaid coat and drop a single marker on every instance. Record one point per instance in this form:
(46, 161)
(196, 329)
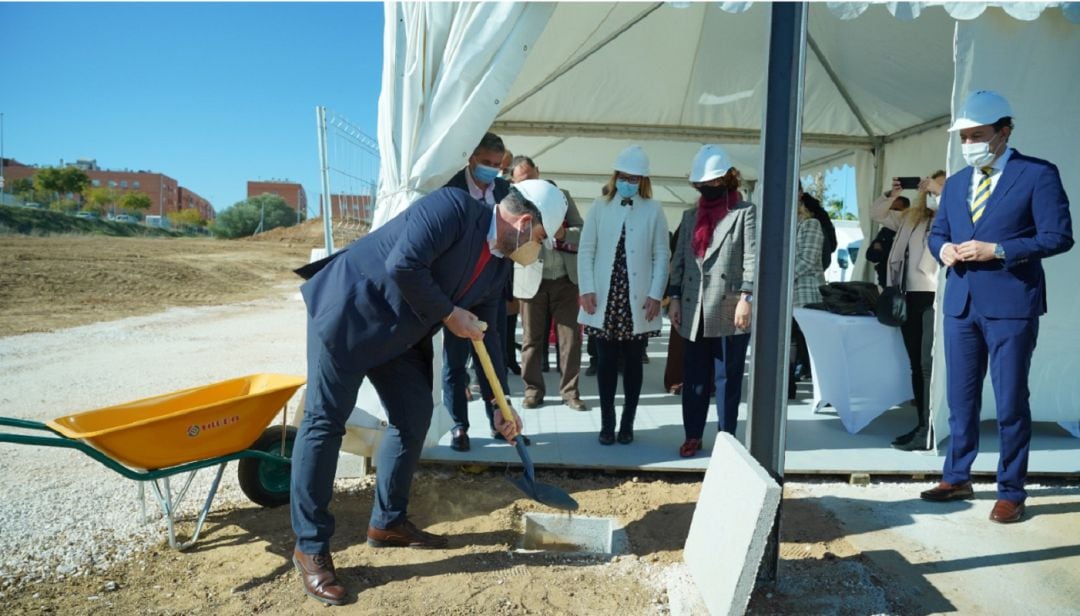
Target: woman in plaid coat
(711, 288)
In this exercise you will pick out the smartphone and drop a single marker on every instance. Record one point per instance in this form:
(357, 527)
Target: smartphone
(908, 183)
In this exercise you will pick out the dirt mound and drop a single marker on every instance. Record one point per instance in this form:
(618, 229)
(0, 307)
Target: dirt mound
(310, 233)
(61, 281)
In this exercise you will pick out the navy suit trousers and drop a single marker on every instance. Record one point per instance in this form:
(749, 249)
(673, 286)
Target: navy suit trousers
(970, 341)
(404, 385)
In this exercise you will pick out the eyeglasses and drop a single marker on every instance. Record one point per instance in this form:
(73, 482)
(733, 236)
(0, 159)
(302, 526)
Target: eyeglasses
(633, 179)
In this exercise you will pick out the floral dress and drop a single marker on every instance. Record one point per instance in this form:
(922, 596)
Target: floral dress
(618, 317)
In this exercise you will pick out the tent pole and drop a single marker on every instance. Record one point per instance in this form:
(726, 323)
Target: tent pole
(781, 138)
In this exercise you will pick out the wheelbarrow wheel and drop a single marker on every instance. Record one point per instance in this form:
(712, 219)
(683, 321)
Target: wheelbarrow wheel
(266, 482)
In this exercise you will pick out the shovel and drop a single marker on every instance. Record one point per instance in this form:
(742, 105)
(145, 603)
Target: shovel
(546, 494)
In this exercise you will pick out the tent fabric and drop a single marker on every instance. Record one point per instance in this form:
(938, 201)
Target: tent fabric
(448, 67)
(1045, 49)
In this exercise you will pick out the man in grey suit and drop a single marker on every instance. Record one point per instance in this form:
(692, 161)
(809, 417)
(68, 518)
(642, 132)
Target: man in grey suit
(555, 299)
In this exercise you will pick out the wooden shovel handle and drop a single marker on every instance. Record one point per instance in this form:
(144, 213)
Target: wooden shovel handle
(489, 372)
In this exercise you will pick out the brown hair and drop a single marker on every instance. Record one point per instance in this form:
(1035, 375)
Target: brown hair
(644, 188)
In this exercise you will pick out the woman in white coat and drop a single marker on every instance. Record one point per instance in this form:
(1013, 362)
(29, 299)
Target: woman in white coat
(911, 263)
(622, 271)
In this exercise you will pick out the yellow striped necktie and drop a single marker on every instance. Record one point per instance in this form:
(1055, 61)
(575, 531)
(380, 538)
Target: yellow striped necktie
(982, 193)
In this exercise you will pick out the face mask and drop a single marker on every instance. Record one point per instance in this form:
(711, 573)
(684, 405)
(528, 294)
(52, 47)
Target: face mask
(978, 154)
(625, 189)
(711, 193)
(485, 174)
(527, 253)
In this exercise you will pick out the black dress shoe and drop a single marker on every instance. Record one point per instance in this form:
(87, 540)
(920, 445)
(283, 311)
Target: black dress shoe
(906, 437)
(625, 438)
(404, 535)
(606, 438)
(459, 440)
(591, 370)
(919, 441)
(319, 577)
(514, 368)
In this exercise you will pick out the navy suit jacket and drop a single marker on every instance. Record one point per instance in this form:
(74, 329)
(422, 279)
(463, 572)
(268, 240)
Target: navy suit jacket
(1028, 215)
(391, 289)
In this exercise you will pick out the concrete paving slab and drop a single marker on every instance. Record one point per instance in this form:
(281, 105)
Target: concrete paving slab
(730, 527)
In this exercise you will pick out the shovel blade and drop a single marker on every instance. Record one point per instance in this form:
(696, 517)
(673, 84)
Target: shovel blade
(543, 493)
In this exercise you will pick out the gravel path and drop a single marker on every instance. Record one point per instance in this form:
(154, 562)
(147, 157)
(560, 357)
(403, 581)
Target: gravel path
(62, 513)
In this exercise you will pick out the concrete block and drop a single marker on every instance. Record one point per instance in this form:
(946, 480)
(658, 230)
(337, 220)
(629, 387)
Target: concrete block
(730, 528)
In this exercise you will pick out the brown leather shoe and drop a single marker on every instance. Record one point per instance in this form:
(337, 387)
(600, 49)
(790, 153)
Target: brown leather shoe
(404, 535)
(319, 577)
(949, 492)
(576, 404)
(532, 402)
(1007, 511)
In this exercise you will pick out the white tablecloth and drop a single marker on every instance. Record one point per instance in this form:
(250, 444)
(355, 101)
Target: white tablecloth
(859, 365)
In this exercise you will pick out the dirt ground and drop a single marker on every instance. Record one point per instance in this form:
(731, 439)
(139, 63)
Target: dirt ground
(242, 564)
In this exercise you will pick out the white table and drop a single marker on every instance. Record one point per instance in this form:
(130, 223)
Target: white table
(859, 366)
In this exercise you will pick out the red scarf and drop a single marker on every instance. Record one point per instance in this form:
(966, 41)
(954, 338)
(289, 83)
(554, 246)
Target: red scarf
(709, 213)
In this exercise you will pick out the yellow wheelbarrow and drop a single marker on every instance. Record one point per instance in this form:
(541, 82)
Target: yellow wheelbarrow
(154, 439)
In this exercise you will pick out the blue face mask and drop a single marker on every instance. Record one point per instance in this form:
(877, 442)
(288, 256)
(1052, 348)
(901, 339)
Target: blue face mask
(485, 174)
(625, 189)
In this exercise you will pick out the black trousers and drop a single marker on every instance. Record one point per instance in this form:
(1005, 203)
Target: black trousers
(608, 354)
(918, 333)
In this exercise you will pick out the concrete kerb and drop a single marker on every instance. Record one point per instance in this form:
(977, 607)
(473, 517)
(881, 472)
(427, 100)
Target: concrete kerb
(730, 527)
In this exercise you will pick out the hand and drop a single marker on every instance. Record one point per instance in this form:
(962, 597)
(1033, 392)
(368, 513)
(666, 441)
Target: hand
(896, 189)
(674, 312)
(507, 429)
(974, 250)
(464, 324)
(924, 185)
(560, 234)
(742, 314)
(652, 308)
(588, 303)
(949, 256)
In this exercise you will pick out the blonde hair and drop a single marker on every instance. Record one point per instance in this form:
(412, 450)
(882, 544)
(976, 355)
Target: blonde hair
(919, 213)
(644, 188)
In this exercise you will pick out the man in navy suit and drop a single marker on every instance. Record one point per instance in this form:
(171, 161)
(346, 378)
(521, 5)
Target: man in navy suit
(372, 311)
(999, 218)
(481, 179)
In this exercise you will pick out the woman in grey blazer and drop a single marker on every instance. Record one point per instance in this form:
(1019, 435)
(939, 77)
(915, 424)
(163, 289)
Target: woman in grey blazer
(711, 287)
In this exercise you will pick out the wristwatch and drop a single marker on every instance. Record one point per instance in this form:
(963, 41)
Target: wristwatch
(999, 252)
(749, 297)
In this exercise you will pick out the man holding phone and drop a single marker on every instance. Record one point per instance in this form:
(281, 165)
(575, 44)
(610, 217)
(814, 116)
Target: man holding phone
(1000, 216)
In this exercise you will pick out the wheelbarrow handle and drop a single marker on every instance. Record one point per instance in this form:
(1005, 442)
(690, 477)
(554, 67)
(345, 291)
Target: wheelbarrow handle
(489, 372)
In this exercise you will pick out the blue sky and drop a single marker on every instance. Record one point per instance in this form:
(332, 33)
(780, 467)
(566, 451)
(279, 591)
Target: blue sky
(211, 94)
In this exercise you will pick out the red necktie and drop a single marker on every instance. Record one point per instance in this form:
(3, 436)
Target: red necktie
(485, 256)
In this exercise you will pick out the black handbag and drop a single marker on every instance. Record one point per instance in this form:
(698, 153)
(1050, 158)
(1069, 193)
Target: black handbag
(891, 306)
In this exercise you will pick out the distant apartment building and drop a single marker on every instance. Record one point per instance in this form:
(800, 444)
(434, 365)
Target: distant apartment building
(292, 192)
(166, 194)
(349, 207)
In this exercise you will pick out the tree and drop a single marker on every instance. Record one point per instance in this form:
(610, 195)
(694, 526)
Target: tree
(61, 181)
(186, 218)
(835, 209)
(243, 218)
(101, 199)
(135, 202)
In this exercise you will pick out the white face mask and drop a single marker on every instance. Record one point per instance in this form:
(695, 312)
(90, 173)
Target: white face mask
(979, 154)
(931, 201)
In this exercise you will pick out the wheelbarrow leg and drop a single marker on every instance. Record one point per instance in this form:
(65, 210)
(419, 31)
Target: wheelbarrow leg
(168, 505)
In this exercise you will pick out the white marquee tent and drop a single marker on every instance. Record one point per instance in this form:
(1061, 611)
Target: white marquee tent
(571, 84)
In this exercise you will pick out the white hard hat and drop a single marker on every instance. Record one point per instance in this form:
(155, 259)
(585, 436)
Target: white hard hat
(981, 108)
(710, 162)
(550, 201)
(633, 160)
